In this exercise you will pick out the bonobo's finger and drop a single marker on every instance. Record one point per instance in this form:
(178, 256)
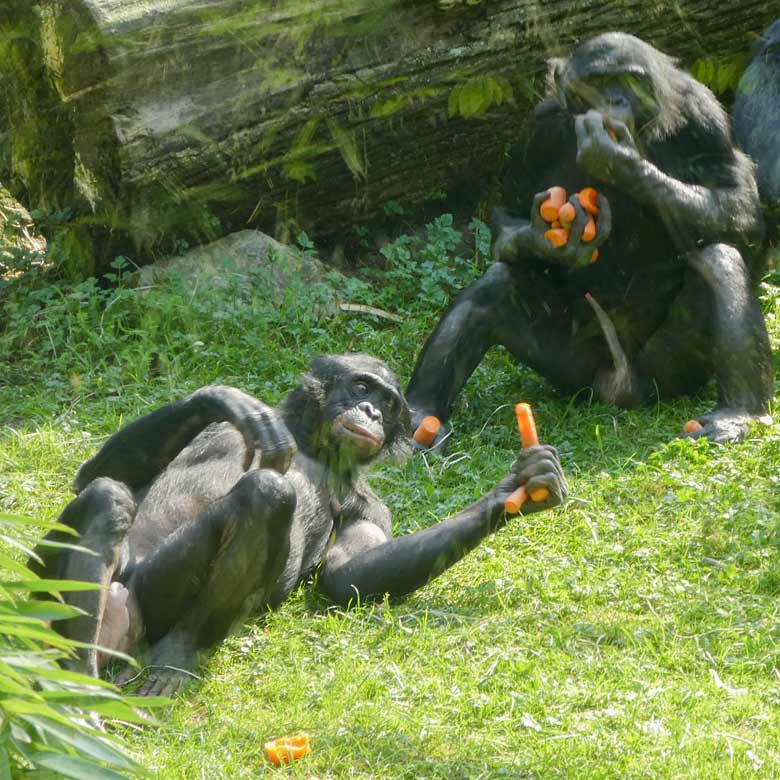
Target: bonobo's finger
(536, 217)
(580, 221)
(536, 461)
(580, 130)
(603, 222)
(618, 130)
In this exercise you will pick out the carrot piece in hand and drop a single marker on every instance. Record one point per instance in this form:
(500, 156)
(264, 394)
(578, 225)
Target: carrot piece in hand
(555, 199)
(566, 214)
(691, 426)
(427, 430)
(589, 200)
(589, 231)
(528, 436)
(283, 750)
(557, 236)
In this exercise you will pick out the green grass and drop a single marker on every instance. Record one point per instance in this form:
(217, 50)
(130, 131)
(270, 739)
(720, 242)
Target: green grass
(631, 633)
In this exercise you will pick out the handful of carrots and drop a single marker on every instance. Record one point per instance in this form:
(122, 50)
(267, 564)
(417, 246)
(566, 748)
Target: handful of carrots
(283, 750)
(528, 436)
(560, 213)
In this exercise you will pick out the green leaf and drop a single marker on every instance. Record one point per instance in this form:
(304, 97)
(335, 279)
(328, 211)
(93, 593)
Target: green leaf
(15, 566)
(58, 675)
(92, 743)
(46, 586)
(5, 764)
(78, 768)
(43, 610)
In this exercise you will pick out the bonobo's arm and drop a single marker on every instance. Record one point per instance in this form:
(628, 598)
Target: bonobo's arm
(138, 452)
(366, 560)
(724, 205)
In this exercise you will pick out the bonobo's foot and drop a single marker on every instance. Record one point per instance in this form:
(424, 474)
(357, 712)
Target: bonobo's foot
(726, 425)
(440, 441)
(168, 670)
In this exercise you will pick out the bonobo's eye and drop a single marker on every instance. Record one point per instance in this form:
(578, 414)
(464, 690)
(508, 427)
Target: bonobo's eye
(360, 388)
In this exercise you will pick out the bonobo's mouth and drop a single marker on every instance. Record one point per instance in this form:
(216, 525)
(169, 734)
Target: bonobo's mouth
(356, 431)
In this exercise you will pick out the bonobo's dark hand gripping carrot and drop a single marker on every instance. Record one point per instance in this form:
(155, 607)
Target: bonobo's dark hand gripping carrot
(527, 427)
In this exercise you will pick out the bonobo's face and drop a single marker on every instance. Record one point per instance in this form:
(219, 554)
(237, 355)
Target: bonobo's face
(623, 96)
(613, 74)
(361, 408)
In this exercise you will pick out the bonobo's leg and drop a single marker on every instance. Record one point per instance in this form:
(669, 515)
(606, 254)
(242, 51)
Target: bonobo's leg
(715, 325)
(209, 574)
(522, 309)
(102, 514)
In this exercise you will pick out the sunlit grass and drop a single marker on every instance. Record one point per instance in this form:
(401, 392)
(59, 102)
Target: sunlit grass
(631, 633)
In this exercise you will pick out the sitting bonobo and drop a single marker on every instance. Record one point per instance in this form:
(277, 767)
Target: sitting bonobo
(670, 301)
(218, 505)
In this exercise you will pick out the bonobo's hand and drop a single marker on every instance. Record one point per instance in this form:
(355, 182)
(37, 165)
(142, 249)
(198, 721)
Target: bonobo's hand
(261, 426)
(535, 467)
(606, 149)
(726, 425)
(518, 238)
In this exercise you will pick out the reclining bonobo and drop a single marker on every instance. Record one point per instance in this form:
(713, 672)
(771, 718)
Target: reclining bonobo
(217, 505)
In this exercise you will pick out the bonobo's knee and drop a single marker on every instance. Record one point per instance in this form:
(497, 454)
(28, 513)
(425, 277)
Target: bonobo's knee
(106, 501)
(722, 268)
(266, 493)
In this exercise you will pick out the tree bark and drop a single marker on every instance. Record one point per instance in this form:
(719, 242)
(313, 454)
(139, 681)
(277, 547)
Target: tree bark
(157, 121)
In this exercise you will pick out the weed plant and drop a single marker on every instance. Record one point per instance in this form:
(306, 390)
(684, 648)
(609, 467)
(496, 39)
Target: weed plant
(631, 633)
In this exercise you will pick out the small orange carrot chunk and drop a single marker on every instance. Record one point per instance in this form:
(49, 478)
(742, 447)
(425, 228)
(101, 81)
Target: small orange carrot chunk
(283, 750)
(515, 500)
(566, 214)
(427, 430)
(589, 231)
(555, 225)
(555, 199)
(589, 200)
(594, 256)
(557, 236)
(691, 426)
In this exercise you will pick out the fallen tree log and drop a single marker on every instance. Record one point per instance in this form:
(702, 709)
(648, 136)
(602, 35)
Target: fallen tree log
(143, 123)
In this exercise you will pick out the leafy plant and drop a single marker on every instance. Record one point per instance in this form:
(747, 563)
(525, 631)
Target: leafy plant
(47, 714)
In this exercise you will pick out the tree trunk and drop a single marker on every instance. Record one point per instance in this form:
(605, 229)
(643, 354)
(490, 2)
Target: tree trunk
(170, 120)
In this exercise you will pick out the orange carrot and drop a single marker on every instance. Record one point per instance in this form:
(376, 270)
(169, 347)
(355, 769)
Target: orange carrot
(555, 225)
(528, 436)
(691, 426)
(427, 430)
(555, 199)
(567, 214)
(589, 200)
(589, 231)
(594, 256)
(557, 236)
(283, 750)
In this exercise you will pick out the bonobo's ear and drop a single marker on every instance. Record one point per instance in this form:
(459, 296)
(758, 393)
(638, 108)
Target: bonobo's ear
(555, 68)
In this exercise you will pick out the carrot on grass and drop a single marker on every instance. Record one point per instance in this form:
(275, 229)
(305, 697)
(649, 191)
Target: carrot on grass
(283, 750)
(528, 437)
(555, 199)
(427, 430)
(691, 426)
